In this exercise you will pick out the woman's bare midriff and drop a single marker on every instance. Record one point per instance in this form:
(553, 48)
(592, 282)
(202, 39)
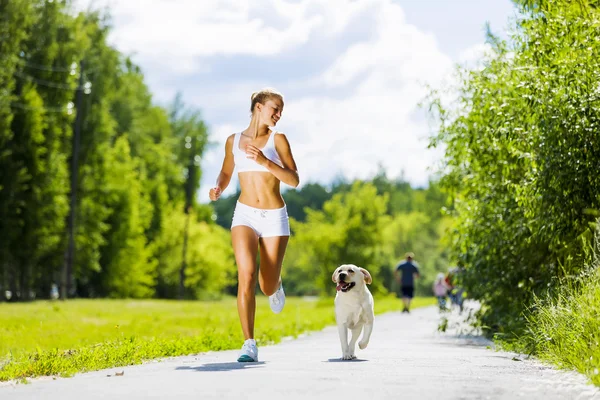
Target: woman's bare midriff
(260, 190)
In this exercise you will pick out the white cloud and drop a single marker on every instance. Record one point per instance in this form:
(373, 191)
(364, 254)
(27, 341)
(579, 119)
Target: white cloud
(473, 56)
(358, 111)
(178, 33)
(377, 122)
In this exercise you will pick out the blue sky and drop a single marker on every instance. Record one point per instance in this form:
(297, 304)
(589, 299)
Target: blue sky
(352, 71)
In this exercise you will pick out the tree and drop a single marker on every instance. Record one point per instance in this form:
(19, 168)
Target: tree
(521, 155)
(347, 231)
(15, 20)
(135, 162)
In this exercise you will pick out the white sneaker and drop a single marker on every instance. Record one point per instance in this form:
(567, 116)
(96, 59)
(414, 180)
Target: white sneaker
(277, 300)
(249, 352)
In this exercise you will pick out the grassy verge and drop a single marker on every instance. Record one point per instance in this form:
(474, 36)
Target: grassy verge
(566, 330)
(61, 338)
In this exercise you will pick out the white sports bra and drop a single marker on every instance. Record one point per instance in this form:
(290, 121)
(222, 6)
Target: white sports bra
(244, 164)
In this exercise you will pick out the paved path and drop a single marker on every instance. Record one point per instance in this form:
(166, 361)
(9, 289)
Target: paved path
(406, 359)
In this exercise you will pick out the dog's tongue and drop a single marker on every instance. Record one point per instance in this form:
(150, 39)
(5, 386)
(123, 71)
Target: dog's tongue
(339, 286)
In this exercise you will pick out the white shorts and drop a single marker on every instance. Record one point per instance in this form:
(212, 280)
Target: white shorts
(266, 223)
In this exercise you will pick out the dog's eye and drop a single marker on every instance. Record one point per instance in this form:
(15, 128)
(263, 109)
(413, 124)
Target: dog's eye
(350, 271)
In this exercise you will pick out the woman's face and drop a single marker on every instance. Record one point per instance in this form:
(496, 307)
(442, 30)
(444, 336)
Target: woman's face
(271, 111)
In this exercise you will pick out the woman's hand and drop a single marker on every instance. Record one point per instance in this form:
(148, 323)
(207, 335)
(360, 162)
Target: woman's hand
(256, 154)
(214, 193)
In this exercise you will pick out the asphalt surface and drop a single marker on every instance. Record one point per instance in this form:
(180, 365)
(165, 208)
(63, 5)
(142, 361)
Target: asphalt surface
(407, 358)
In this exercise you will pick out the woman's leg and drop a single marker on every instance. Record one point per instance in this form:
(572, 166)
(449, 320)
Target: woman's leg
(245, 248)
(272, 250)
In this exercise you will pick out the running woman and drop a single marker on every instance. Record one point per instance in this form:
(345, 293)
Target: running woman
(263, 159)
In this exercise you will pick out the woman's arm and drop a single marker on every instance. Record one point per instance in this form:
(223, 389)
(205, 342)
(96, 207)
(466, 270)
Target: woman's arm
(226, 171)
(287, 174)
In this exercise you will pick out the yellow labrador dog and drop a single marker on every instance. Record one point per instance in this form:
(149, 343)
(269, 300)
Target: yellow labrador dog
(353, 307)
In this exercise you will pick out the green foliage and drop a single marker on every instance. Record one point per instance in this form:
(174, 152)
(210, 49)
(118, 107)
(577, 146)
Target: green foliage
(210, 262)
(421, 234)
(137, 161)
(565, 328)
(129, 270)
(347, 230)
(374, 226)
(136, 212)
(12, 34)
(522, 151)
(311, 196)
(191, 138)
(36, 176)
(355, 227)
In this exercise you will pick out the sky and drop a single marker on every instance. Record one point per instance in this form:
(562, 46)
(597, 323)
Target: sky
(352, 72)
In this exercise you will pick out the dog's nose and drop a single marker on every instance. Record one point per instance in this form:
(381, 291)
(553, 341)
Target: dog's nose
(343, 276)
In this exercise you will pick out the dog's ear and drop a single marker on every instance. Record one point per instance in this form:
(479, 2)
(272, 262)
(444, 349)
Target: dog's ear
(367, 275)
(333, 276)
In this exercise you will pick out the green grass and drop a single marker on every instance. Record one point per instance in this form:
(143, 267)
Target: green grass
(566, 330)
(61, 338)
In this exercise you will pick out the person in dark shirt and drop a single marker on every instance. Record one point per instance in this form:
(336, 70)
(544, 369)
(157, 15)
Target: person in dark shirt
(406, 273)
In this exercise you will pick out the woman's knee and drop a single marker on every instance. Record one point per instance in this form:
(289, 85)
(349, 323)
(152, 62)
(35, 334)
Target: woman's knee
(269, 284)
(246, 280)
(269, 288)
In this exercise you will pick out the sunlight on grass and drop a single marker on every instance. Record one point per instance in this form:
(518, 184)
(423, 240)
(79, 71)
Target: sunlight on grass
(566, 330)
(62, 338)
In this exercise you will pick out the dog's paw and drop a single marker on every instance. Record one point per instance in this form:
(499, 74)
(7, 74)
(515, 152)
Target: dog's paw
(348, 357)
(362, 345)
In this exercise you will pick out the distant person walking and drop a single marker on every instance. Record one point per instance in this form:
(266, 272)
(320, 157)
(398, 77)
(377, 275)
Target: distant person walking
(263, 159)
(440, 290)
(455, 292)
(406, 273)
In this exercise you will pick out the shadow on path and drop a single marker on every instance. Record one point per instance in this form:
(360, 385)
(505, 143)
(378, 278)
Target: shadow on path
(467, 340)
(228, 366)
